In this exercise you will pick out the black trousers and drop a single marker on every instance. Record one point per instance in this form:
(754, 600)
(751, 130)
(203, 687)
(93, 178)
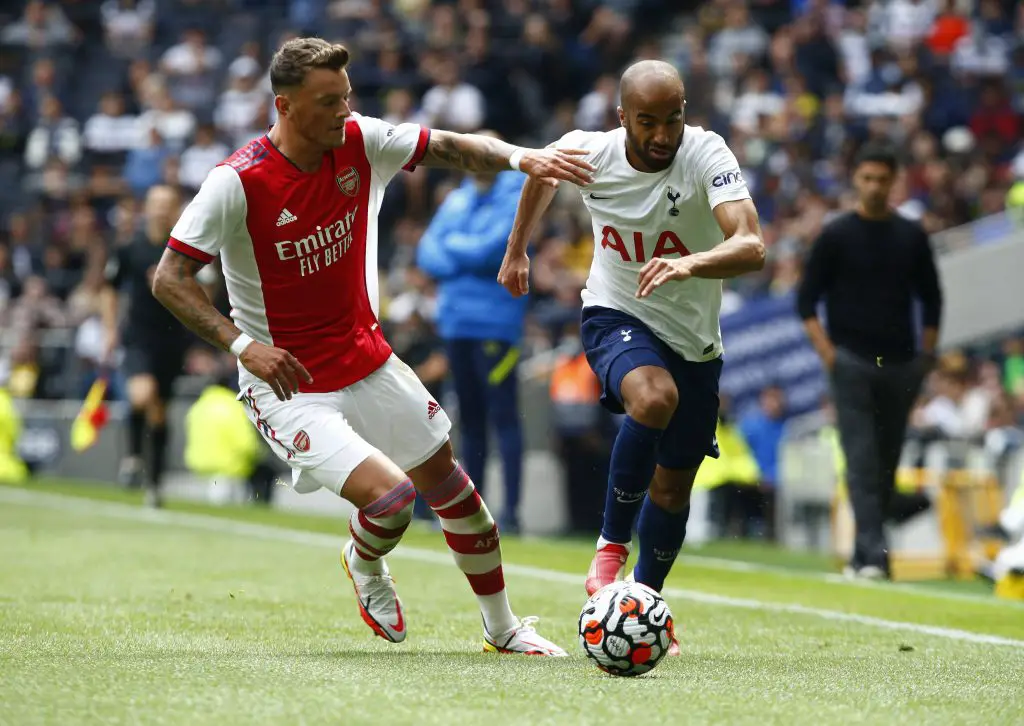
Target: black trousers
(872, 404)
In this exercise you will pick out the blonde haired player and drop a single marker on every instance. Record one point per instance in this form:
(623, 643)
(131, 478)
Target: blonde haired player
(293, 216)
(672, 217)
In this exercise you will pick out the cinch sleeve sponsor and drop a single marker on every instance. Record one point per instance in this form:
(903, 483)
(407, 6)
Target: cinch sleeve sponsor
(213, 217)
(390, 148)
(722, 178)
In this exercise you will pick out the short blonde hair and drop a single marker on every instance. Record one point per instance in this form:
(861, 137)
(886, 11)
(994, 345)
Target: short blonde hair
(297, 57)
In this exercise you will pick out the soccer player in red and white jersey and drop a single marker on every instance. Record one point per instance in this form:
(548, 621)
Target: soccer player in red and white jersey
(293, 216)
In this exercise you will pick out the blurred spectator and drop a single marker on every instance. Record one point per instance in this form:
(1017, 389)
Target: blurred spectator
(35, 309)
(956, 410)
(736, 505)
(144, 167)
(452, 103)
(99, 99)
(55, 137)
(197, 160)
(597, 108)
(584, 431)
(241, 112)
(175, 125)
(738, 39)
(42, 25)
(111, 132)
(763, 429)
(1013, 365)
(191, 66)
(128, 26)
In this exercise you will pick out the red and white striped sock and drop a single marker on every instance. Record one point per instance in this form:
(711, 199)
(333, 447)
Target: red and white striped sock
(472, 538)
(377, 528)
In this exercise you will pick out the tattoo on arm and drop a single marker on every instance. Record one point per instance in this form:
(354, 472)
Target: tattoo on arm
(469, 152)
(177, 289)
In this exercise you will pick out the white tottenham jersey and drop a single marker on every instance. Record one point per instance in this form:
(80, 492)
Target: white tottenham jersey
(638, 216)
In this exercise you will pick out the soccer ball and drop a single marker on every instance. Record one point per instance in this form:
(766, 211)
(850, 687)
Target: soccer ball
(626, 628)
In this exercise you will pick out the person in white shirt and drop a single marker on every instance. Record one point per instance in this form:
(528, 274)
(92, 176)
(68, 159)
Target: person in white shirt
(201, 157)
(672, 217)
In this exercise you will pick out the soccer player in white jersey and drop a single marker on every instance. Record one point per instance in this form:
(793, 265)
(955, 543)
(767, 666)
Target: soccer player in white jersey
(293, 216)
(672, 217)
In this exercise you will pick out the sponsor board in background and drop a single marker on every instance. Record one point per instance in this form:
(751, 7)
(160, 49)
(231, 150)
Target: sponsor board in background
(765, 344)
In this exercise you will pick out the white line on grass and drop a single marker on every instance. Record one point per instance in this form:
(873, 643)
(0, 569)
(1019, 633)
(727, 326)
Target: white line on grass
(266, 532)
(907, 588)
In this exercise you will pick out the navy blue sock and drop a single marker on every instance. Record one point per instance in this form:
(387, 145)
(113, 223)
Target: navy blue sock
(661, 537)
(630, 470)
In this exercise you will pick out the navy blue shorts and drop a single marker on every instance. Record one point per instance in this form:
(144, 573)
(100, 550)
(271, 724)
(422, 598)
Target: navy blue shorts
(616, 343)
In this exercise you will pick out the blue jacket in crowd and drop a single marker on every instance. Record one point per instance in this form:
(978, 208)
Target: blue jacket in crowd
(462, 250)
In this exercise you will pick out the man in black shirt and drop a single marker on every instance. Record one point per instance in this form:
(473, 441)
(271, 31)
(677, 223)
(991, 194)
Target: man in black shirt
(870, 265)
(155, 342)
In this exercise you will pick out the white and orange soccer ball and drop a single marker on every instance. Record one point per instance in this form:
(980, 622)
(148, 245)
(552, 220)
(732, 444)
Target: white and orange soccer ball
(626, 628)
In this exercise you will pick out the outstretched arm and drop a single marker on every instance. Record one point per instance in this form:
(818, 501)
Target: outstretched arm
(741, 252)
(476, 153)
(176, 287)
(534, 200)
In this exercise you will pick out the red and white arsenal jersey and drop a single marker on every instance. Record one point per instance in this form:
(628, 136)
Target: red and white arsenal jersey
(299, 249)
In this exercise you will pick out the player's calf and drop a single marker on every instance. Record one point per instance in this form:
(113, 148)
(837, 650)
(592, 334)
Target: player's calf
(472, 537)
(662, 525)
(650, 397)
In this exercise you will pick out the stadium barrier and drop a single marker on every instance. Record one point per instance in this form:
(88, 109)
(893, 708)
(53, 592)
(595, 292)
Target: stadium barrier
(965, 486)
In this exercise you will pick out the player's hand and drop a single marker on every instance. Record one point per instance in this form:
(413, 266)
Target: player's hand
(659, 271)
(278, 368)
(514, 274)
(551, 166)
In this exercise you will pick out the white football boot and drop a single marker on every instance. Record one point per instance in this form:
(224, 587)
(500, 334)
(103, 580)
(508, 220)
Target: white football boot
(379, 604)
(522, 639)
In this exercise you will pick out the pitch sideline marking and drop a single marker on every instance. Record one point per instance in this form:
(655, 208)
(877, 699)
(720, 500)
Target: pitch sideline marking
(222, 525)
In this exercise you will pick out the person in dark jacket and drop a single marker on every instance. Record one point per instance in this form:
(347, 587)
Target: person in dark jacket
(872, 267)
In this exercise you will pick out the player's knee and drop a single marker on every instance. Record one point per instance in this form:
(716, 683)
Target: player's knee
(142, 391)
(655, 403)
(386, 491)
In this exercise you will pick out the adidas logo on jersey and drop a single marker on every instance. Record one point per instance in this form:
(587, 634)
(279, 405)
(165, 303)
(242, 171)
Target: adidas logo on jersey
(432, 409)
(286, 217)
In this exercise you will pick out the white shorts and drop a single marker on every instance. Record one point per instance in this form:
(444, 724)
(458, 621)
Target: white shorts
(325, 436)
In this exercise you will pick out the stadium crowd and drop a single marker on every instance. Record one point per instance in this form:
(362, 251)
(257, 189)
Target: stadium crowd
(99, 101)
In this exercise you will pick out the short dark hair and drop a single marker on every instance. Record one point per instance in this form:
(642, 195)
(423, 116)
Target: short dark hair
(878, 154)
(297, 57)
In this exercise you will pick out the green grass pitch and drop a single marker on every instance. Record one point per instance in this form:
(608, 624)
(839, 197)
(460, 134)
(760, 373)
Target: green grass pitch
(112, 614)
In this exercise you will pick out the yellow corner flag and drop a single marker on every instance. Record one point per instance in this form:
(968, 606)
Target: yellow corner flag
(91, 418)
